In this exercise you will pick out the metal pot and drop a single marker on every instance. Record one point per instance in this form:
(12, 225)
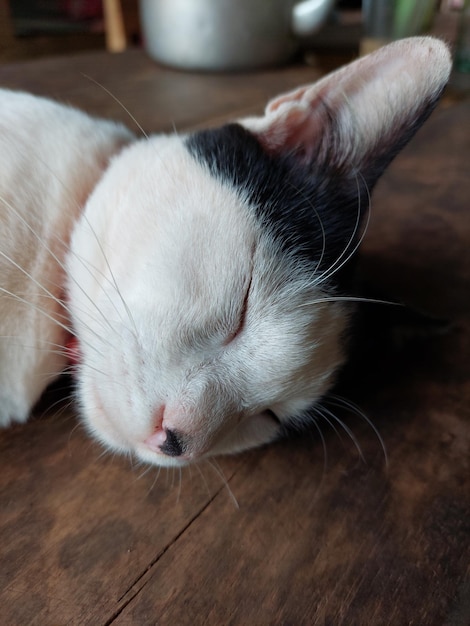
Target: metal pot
(228, 34)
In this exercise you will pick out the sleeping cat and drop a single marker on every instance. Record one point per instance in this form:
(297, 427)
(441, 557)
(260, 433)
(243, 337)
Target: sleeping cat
(205, 277)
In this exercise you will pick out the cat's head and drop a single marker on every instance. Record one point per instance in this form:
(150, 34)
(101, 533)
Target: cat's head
(208, 272)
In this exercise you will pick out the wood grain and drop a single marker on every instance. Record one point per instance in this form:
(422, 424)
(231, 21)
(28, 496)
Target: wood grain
(317, 535)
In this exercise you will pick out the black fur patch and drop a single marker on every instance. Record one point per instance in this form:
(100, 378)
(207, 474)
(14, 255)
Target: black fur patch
(311, 211)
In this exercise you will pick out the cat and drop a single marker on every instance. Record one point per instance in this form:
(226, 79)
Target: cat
(203, 281)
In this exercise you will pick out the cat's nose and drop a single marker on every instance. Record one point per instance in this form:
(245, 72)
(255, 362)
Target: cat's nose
(168, 441)
(173, 444)
(165, 439)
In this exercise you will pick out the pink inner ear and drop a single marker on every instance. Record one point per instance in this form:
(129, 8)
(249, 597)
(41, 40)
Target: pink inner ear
(292, 127)
(375, 102)
(292, 96)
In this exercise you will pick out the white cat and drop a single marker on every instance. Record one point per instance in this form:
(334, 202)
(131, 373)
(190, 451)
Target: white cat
(205, 277)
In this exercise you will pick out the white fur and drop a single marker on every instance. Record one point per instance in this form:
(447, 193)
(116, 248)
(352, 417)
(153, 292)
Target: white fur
(178, 299)
(50, 159)
(160, 261)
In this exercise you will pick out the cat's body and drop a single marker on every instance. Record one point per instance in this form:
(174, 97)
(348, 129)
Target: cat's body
(46, 177)
(206, 273)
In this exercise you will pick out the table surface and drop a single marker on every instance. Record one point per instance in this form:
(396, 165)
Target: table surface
(302, 531)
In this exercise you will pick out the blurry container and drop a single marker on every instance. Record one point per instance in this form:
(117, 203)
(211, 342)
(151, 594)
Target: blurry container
(228, 34)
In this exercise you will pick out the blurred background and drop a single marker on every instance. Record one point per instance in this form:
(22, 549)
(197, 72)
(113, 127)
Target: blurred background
(33, 28)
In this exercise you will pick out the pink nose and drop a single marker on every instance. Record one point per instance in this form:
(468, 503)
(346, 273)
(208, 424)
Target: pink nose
(156, 440)
(164, 439)
(167, 441)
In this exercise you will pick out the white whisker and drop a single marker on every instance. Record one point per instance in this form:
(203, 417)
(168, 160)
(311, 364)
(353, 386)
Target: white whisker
(325, 453)
(96, 272)
(46, 314)
(319, 411)
(35, 282)
(64, 405)
(60, 263)
(124, 108)
(324, 299)
(218, 470)
(346, 428)
(180, 474)
(18, 298)
(320, 221)
(113, 281)
(340, 402)
(196, 465)
(157, 475)
(147, 469)
(342, 261)
(77, 426)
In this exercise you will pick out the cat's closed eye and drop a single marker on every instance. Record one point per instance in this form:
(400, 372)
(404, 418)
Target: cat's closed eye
(241, 321)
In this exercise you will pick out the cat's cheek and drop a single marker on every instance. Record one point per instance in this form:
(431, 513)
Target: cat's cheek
(252, 432)
(97, 418)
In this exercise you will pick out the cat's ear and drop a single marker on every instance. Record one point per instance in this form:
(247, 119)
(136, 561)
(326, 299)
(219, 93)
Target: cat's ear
(359, 117)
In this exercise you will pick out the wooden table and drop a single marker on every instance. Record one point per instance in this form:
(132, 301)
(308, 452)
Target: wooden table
(289, 534)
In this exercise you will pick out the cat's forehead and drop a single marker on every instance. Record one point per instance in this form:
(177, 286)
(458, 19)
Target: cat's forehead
(309, 211)
(191, 226)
